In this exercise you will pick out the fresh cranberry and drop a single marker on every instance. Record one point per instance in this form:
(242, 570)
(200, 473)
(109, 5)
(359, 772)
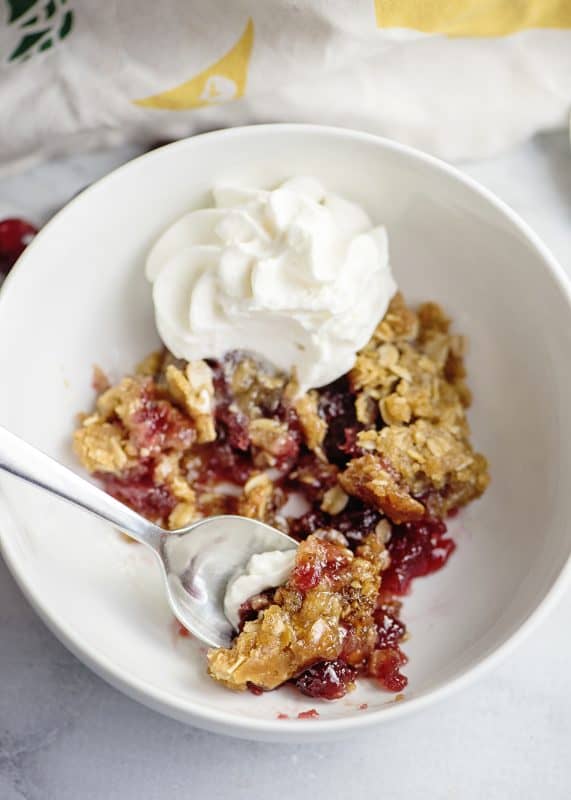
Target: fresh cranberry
(15, 236)
(328, 680)
(385, 664)
(415, 548)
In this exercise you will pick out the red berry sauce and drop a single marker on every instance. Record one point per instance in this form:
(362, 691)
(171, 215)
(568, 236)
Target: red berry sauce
(337, 406)
(416, 549)
(323, 561)
(385, 664)
(390, 630)
(157, 426)
(137, 489)
(328, 680)
(311, 713)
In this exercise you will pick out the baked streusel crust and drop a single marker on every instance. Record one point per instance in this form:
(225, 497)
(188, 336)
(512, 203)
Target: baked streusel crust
(380, 458)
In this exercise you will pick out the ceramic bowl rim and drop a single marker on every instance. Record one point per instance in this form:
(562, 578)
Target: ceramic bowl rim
(295, 730)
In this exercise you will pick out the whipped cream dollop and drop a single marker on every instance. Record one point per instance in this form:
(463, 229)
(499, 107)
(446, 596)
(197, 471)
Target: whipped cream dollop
(263, 571)
(297, 275)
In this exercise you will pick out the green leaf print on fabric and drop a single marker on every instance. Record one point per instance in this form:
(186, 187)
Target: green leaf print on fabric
(38, 25)
(17, 8)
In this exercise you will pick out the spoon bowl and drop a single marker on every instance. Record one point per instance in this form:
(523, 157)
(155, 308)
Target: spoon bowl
(200, 560)
(197, 561)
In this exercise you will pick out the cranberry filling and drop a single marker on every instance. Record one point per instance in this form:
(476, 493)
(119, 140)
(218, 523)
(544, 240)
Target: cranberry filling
(337, 406)
(157, 425)
(357, 521)
(290, 449)
(385, 664)
(312, 477)
(220, 462)
(390, 630)
(137, 489)
(328, 680)
(415, 548)
(324, 561)
(235, 426)
(311, 713)
(311, 521)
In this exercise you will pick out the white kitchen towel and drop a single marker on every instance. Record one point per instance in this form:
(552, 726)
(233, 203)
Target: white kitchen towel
(458, 78)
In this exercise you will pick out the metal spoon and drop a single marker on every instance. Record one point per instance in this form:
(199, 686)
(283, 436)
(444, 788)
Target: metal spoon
(196, 561)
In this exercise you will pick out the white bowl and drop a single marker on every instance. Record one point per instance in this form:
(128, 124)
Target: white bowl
(78, 296)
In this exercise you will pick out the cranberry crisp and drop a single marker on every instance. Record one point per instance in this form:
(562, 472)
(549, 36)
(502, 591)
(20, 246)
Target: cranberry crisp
(379, 459)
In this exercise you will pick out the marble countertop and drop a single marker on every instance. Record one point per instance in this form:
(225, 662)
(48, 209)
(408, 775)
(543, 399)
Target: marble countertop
(65, 734)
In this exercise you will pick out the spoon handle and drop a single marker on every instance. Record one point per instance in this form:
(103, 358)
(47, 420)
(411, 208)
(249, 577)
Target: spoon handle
(24, 461)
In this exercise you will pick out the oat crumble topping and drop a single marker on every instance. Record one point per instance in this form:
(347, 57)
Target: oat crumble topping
(380, 457)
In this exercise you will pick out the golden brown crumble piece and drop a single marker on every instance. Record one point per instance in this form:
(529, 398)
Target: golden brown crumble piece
(122, 400)
(412, 369)
(100, 446)
(212, 504)
(183, 514)
(405, 463)
(151, 365)
(253, 387)
(153, 442)
(400, 323)
(257, 497)
(132, 421)
(168, 472)
(324, 610)
(313, 426)
(194, 391)
(373, 482)
(334, 500)
(269, 437)
(99, 379)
